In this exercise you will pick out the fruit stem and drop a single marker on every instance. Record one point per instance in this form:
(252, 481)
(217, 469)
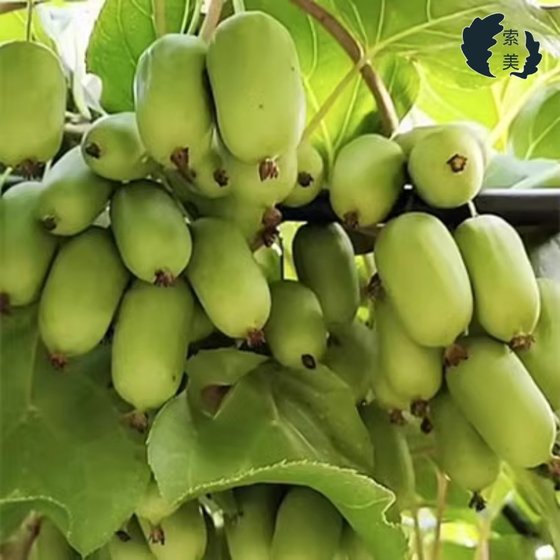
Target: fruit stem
(212, 19)
(29, 22)
(419, 541)
(4, 178)
(195, 18)
(238, 6)
(442, 489)
(159, 17)
(385, 106)
(472, 209)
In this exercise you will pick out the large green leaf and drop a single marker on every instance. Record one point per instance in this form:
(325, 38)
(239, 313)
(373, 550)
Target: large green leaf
(63, 449)
(273, 425)
(122, 32)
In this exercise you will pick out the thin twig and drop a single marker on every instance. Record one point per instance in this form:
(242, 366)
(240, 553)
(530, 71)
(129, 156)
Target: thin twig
(4, 177)
(442, 488)
(193, 25)
(418, 535)
(212, 19)
(29, 22)
(385, 106)
(238, 6)
(159, 17)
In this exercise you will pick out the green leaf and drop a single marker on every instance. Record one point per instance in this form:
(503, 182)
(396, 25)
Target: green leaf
(63, 449)
(273, 425)
(536, 130)
(122, 32)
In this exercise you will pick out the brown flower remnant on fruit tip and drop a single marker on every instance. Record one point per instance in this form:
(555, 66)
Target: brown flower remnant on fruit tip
(221, 177)
(477, 502)
(419, 408)
(136, 420)
(122, 535)
(212, 397)
(304, 179)
(426, 426)
(255, 338)
(157, 535)
(30, 168)
(58, 361)
(269, 236)
(308, 361)
(164, 278)
(93, 150)
(5, 308)
(268, 169)
(374, 288)
(458, 163)
(272, 217)
(396, 417)
(522, 342)
(49, 223)
(554, 469)
(180, 159)
(454, 355)
(351, 220)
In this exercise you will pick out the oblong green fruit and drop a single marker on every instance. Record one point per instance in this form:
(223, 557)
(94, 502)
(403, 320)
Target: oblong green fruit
(249, 534)
(447, 167)
(352, 546)
(310, 176)
(462, 453)
(201, 326)
(253, 52)
(247, 184)
(387, 398)
(129, 546)
(500, 399)
(503, 281)
(392, 459)
(173, 107)
(184, 534)
(50, 544)
(73, 195)
(151, 232)
(32, 103)
(228, 282)
(407, 140)
(113, 149)
(209, 175)
(295, 331)
(351, 354)
(367, 178)
(324, 262)
(308, 527)
(81, 294)
(150, 343)
(542, 359)
(413, 371)
(26, 249)
(153, 507)
(424, 276)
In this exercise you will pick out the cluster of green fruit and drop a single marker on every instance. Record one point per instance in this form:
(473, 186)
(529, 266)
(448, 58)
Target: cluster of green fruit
(258, 522)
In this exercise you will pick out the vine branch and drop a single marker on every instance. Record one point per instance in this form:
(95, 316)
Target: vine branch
(385, 105)
(212, 19)
(159, 17)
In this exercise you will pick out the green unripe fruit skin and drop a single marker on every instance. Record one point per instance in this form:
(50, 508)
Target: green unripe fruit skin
(385, 395)
(153, 507)
(113, 149)
(424, 276)
(542, 359)
(26, 249)
(407, 140)
(255, 77)
(352, 546)
(503, 281)
(228, 282)
(447, 167)
(134, 547)
(367, 178)
(310, 176)
(150, 343)
(249, 535)
(81, 294)
(173, 108)
(392, 459)
(201, 326)
(500, 399)
(351, 354)
(324, 262)
(413, 371)
(73, 195)
(462, 453)
(32, 103)
(209, 175)
(151, 232)
(247, 185)
(185, 534)
(308, 527)
(50, 544)
(295, 331)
